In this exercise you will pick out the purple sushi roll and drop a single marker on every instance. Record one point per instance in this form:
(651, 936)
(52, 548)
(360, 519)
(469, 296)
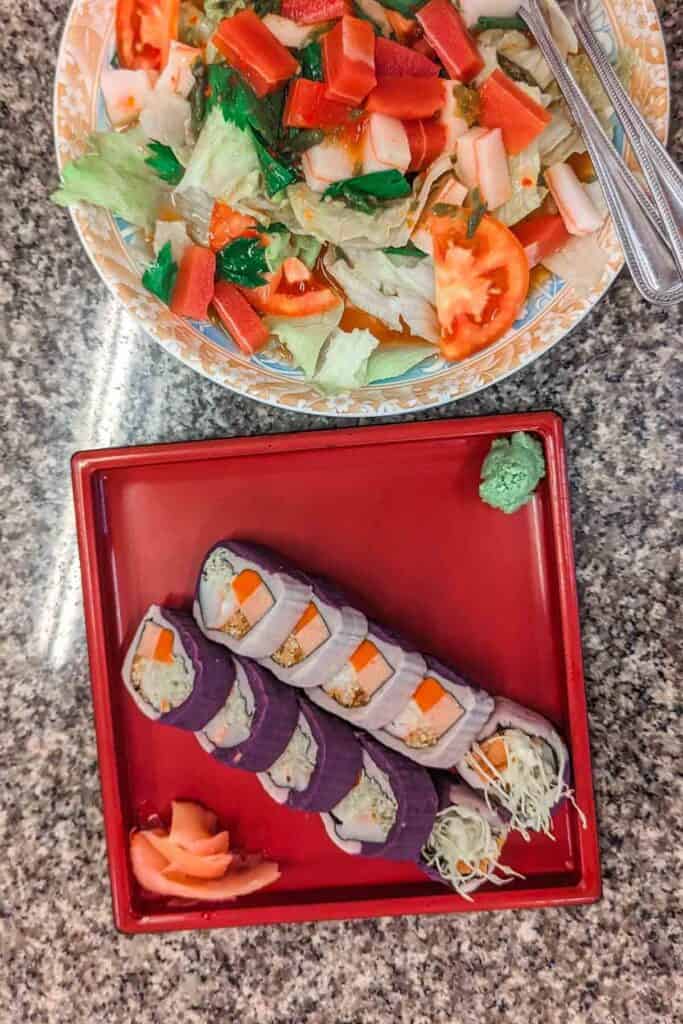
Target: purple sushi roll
(247, 599)
(173, 673)
(375, 682)
(466, 841)
(441, 719)
(521, 764)
(389, 812)
(319, 765)
(321, 642)
(255, 723)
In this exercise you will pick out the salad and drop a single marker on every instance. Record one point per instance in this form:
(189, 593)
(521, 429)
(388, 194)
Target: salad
(352, 186)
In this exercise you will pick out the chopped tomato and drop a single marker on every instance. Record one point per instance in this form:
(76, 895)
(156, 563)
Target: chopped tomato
(300, 298)
(407, 98)
(309, 12)
(144, 30)
(504, 105)
(405, 29)
(393, 60)
(349, 60)
(242, 323)
(481, 282)
(427, 140)
(307, 106)
(227, 224)
(445, 30)
(541, 235)
(249, 45)
(193, 288)
(295, 270)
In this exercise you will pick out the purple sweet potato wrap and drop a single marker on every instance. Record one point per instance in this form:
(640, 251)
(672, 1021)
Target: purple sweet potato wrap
(417, 801)
(214, 673)
(338, 763)
(276, 713)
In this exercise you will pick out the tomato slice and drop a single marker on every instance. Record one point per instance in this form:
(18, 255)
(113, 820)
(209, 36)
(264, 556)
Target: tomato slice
(504, 105)
(481, 282)
(300, 298)
(541, 234)
(227, 224)
(307, 106)
(144, 30)
(407, 97)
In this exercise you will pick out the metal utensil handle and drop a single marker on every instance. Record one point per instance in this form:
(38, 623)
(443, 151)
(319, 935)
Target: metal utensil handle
(663, 177)
(635, 218)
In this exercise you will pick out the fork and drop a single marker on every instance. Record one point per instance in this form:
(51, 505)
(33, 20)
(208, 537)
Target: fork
(635, 217)
(662, 176)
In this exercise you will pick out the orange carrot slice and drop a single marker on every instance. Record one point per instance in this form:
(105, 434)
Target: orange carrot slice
(149, 865)
(495, 753)
(190, 822)
(164, 648)
(245, 583)
(428, 693)
(363, 655)
(308, 616)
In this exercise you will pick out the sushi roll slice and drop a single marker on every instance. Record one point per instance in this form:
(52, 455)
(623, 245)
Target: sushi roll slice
(173, 673)
(440, 721)
(319, 765)
(326, 635)
(375, 681)
(466, 841)
(255, 723)
(247, 599)
(390, 810)
(521, 764)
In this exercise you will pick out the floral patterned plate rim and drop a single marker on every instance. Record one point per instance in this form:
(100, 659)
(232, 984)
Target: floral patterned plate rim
(551, 312)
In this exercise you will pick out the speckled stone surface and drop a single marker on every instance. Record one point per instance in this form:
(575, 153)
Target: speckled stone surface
(76, 373)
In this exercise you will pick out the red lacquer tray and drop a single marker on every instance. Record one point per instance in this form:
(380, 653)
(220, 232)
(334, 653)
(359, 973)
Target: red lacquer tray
(393, 514)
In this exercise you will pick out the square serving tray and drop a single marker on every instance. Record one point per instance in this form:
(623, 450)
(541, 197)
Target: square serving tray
(393, 514)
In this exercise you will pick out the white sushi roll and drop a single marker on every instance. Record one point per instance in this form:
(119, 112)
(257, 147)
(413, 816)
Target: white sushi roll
(441, 719)
(374, 683)
(247, 600)
(323, 639)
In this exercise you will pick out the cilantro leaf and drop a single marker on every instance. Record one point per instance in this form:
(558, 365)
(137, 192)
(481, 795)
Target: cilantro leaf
(197, 97)
(513, 24)
(276, 175)
(295, 141)
(164, 162)
(312, 62)
(159, 277)
(477, 209)
(405, 7)
(243, 262)
(378, 185)
(409, 249)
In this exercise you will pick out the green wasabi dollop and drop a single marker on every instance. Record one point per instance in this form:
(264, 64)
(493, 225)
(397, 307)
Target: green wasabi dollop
(511, 472)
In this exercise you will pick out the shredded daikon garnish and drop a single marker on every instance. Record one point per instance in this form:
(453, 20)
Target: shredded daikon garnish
(294, 767)
(464, 848)
(530, 784)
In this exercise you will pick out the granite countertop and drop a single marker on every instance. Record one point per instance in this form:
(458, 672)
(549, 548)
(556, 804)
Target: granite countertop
(76, 373)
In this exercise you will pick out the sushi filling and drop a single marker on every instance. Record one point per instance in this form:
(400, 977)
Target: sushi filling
(295, 766)
(464, 848)
(368, 811)
(163, 678)
(308, 635)
(232, 724)
(232, 602)
(360, 678)
(427, 717)
(522, 773)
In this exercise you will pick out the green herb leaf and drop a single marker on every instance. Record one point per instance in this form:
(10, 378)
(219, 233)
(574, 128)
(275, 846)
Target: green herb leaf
(159, 277)
(406, 7)
(164, 162)
(468, 103)
(263, 7)
(515, 72)
(114, 62)
(276, 175)
(513, 24)
(477, 209)
(379, 184)
(241, 105)
(409, 249)
(219, 87)
(197, 97)
(243, 262)
(295, 141)
(312, 62)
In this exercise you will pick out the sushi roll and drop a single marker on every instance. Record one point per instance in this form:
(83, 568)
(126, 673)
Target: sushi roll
(326, 635)
(375, 681)
(440, 721)
(173, 673)
(255, 723)
(521, 764)
(247, 599)
(319, 765)
(466, 841)
(390, 810)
